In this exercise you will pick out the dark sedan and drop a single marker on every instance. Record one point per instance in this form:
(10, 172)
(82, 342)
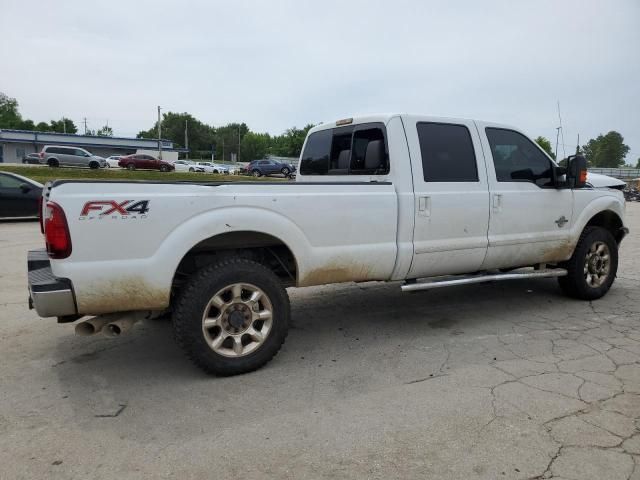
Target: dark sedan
(19, 196)
(32, 158)
(257, 168)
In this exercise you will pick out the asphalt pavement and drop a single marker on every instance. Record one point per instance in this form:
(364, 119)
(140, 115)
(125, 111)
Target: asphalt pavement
(497, 381)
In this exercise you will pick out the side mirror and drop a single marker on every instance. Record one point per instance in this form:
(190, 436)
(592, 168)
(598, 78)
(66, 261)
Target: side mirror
(576, 171)
(25, 187)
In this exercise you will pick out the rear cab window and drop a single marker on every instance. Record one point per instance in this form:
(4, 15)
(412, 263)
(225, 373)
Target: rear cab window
(359, 149)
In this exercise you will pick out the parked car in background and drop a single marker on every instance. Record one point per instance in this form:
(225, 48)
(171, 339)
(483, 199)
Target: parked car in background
(112, 161)
(32, 158)
(187, 166)
(211, 167)
(258, 168)
(144, 162)
(61, 156)
(19, 196)
(234, 169)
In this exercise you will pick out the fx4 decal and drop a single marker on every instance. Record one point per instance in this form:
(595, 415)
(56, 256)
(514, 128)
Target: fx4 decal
(112, 209)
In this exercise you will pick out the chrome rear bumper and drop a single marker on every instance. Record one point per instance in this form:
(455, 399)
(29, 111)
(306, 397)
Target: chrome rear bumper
(49, 295)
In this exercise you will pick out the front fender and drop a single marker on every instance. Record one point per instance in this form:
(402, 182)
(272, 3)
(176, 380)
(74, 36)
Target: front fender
(587, 208)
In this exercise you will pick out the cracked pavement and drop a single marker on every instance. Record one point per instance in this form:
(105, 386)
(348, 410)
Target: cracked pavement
(505, 380)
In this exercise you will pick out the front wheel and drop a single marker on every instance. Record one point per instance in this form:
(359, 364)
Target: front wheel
(232, 317)
(164, 168)
(286, 171)
(256, 173)
(593, 266)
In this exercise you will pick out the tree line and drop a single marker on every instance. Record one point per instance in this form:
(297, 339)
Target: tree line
(10, 117)
(236, 140)
(604, 151)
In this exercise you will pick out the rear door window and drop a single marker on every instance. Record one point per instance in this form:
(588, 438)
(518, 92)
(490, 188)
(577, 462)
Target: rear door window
(352, 150)
(447, 153)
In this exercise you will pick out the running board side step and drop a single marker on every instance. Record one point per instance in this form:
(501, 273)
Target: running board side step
(451, 281)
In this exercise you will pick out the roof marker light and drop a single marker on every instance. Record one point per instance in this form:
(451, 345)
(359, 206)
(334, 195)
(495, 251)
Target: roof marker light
(344, 121)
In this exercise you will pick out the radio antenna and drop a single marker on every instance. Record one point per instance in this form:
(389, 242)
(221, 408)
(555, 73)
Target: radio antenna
(561, 132)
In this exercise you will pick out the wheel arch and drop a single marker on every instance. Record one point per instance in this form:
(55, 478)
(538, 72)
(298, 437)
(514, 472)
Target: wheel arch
(610, 221)
(264, 248)
(606, 212)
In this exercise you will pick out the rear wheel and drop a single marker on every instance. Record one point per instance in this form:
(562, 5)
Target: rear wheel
(256, 173)
(131, 166)
(232, 317)
(593, 266)
(52, 162)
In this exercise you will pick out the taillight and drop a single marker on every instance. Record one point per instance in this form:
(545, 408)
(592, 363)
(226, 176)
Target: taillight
(41, 155)
(56, 232)
(40, 214)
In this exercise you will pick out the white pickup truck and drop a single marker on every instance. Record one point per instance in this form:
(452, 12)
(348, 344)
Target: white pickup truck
(428, 202)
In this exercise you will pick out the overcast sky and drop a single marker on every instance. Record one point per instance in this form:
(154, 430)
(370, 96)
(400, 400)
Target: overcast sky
(276, 64)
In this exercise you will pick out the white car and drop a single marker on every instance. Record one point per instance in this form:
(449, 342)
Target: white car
(211, 167)
(112, 161)
(187, 166)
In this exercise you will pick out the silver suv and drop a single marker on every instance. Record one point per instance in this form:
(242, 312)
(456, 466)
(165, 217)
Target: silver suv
(56, 156)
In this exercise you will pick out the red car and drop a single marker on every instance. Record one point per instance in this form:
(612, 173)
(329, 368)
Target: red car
(139, 160)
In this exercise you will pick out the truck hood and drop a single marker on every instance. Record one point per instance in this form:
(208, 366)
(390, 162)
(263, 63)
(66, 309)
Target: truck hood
(597, 180)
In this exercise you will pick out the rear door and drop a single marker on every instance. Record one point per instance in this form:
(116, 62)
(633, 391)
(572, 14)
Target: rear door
(530, 218)
(451, 196)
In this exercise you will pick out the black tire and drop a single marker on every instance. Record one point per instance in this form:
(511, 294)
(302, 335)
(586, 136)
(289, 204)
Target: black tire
(94, 165)
(53, 163)
(285, 171)
(256, 173)
(164, 168)
(216, 172)
(194, 298)
(575, 283)
(131, 166)
(191, 170)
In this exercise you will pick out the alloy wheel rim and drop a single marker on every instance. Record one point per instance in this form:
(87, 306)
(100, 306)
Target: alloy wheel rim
(237, 320)
(597, 264)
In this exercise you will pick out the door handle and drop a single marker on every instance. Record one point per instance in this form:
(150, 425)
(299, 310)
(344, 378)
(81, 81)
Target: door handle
(424, 206)
(497, 201)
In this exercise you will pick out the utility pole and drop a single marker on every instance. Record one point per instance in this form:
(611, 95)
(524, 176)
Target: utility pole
(159, 135)
(223, 149)
(186, 135)
(238, 159)
(85, 125)
(64, 125)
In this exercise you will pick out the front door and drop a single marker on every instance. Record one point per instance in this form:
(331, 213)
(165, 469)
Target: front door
(530, 218)
(451, 197)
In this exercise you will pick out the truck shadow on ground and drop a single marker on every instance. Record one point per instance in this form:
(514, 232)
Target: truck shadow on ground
(344, 340)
